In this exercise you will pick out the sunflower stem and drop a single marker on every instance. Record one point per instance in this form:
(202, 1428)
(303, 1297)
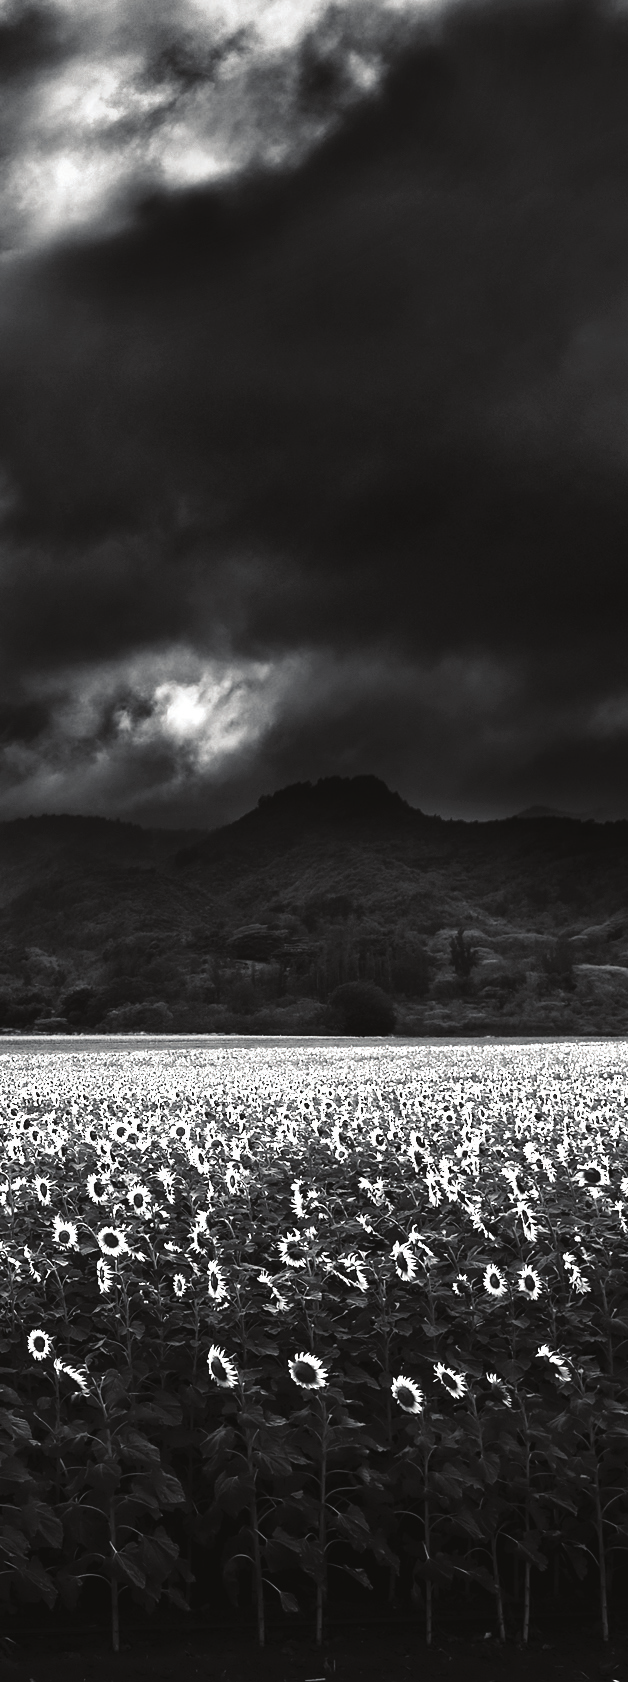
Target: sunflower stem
(428, 1580)
(58, 1437)
(111, 1514)
(599, 1526)
(321, 1585)
(392, 1574)
(609, 1341)
(526, 1602)
(498, 1590)
(115, 1615)
(188, 1539)
(257, 1557)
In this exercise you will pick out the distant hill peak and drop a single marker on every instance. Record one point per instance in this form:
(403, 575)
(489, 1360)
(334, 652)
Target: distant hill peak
(546, 812)
(351, 794)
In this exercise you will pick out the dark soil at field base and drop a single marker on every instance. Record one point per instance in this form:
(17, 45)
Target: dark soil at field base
(360, 1655)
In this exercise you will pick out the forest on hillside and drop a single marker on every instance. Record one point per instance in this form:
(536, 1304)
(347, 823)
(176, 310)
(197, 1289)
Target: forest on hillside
(435, 926)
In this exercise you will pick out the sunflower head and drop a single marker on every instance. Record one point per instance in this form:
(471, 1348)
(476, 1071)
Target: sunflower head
(112, 1241)
(494, 1282)
(407, 1394)
(39, 1344)
(308, 1372)
(454, 1382)
(223, 1371)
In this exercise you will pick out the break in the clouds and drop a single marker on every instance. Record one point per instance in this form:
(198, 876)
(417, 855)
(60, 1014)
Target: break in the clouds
(313, 404)
(100, 102)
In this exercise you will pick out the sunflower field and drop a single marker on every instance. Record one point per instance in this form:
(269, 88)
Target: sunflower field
(307, 1322)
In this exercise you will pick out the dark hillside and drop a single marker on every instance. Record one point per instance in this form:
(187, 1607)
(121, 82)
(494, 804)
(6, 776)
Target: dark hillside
(104, 924)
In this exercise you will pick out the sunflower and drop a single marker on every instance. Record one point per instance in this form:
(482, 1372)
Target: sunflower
(179, 1284)
(556, 1360)
(374, 1189)
(180, 1131)
(620, 1215)
(39, 1344)
(78, 1374)
(216, 1283)
(98, 1187)
(592, 1176)
(454, 1382)
(516, 1180)
(289, 1248)
(407, 1394)
(576, 1277)
(461, 1279)
(104, 1276)
(43, 1187)
(530, 1283)
(120, 1132)
(31, 1264)
(404, 1260)
(414, 1237)
(139, 1198)
(65, 1233)
(198, 1226)
(432, 1181)
(538, 1160)
(167, 1179)
(494, 1281)
(308, 1372)
(280, 1305)
(358, 1263)
(223, 1371)
(233, 1178)
(297, 1200)
(497, 1383)
(199, 1159)
(528, 1222)
(112, 1241)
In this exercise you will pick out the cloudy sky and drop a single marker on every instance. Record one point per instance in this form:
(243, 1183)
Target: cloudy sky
(313, 403)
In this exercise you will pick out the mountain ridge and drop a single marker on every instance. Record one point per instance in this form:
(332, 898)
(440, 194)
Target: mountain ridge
(104, 923)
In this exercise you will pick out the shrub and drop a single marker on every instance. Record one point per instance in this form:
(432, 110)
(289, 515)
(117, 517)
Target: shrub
(75, 1004)
(502, 984)
(463, 955)
(242, 996)
(22, 1011)
(148, 1017)
(411, 970)
(360, 1007)
(557, 964)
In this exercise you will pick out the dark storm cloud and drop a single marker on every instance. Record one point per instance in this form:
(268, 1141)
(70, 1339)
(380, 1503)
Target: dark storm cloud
(30, 37)
(23, 722)
(367, 408)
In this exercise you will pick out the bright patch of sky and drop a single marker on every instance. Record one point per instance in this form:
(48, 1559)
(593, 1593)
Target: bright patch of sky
(156, 723)
(219, 714)
(138, 95)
